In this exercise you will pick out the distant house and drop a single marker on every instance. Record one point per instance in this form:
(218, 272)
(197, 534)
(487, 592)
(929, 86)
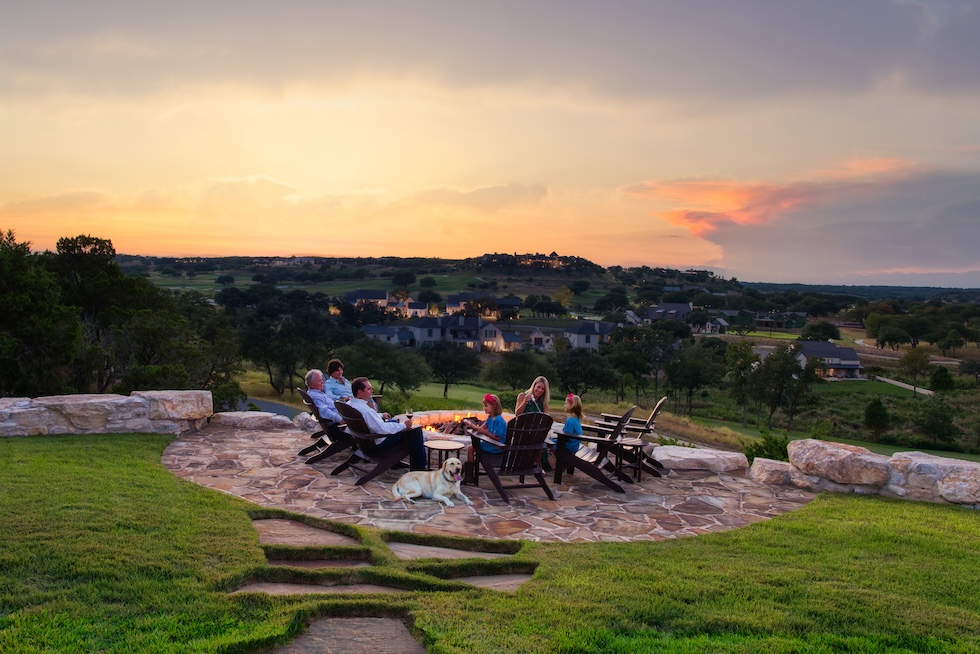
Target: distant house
(383, 333)
(368, 296)
(408, 308)
(475, 333)
(833, 362)
(541, 341)
(716, 326)
(668, 311)
(781, 320)
(589, 334)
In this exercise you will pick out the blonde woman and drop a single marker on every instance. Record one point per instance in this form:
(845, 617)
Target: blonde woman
(535, 399)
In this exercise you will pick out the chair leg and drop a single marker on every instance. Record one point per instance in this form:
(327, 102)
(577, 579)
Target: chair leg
(330, 451)
(495, 480)
(544, 484)
(312, 448)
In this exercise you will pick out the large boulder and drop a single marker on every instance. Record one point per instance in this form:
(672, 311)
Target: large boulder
(770, 471)
(93, 413)
(919, 476)
(844, 465)
(177, 405)
(691, 458)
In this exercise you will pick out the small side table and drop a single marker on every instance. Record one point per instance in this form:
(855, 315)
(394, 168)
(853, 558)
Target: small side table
(443, 451)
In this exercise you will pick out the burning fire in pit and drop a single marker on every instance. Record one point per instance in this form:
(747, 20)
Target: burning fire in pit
(452, 427)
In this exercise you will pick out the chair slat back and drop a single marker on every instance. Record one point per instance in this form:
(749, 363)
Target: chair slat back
(352, 418)
(525, 437)
(656, 410)
(308, 401)
(616, 433)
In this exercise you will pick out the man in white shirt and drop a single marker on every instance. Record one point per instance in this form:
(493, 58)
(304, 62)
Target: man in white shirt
(396, 431)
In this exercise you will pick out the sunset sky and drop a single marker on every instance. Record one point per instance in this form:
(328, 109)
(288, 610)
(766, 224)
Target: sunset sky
(817, 141)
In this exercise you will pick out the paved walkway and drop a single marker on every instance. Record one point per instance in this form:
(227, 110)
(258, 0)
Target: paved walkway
(262, 466)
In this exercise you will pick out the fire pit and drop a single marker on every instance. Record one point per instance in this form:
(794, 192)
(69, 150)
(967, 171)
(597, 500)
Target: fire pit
(446, 425)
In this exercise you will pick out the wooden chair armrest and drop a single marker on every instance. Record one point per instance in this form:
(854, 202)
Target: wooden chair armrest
(584, 437)
(475, 435)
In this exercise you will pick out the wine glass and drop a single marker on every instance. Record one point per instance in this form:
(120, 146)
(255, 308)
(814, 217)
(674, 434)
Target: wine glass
(409, 414)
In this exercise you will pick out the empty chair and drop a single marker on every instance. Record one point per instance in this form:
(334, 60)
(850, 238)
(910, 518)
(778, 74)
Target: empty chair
(593, 457)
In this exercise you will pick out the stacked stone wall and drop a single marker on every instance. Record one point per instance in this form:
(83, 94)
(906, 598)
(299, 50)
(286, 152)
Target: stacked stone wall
(156, 412)
(822, 466)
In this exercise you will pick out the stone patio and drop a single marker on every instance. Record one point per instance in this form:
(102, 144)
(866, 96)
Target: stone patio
(262, 466)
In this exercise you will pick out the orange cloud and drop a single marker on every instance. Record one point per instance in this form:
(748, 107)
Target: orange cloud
(707, 204)
(720, 202)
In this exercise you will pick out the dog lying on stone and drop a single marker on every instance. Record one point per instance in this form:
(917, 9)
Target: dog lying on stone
(438, 485)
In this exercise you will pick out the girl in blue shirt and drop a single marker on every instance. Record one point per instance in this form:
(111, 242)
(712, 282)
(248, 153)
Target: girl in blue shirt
(495, 426)
(573, 424)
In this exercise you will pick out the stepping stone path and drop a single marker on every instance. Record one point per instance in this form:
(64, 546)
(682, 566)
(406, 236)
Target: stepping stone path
(356, 635)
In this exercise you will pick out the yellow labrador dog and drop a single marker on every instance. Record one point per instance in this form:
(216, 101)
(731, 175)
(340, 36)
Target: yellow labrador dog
(438, 485)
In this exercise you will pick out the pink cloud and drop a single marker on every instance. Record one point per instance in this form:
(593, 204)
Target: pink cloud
(707, 204)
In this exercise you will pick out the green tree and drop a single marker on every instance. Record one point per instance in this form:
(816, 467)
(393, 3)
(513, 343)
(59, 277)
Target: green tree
(403, 278)
(950, 342)
(517, 369)
(915, 363)
(580, 370)
(698, 365)
(386, 363)
(741, 360)
(773, 380)
(971, 367)
(876, 418)
(39, 334)
(935, 421)
(820, 330)
(563, 296)
(427, 282)
(941, 379)
(451, 363)
(893, 337)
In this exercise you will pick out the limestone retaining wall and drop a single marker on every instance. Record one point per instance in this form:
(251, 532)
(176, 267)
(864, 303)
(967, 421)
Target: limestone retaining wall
(822, 466)
(157, 412)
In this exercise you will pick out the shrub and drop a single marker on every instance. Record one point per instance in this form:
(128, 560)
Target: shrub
(771, 447)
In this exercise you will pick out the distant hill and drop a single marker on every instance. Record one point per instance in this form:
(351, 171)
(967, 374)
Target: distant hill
(874, 292)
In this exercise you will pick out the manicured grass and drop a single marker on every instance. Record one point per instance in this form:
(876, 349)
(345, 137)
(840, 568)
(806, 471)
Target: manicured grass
(104, 550)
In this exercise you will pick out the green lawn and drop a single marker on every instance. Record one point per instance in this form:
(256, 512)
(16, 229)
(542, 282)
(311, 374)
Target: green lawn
(104, 550)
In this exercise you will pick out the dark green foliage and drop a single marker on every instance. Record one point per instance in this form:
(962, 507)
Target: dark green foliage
(39, 333)
(580, 369)
(935, 421)
(517, 369)
(699, 364)
(451, 363)
(771, 447)
(820, 330)
(876, 418)
(941, 379)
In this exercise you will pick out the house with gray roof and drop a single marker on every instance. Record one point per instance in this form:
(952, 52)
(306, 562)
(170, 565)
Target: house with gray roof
(833, 362)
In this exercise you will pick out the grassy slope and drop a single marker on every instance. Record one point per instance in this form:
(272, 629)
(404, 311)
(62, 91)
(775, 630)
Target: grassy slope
(104, 550)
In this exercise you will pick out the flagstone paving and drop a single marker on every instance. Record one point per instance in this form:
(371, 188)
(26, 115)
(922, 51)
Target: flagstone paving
(262, 466)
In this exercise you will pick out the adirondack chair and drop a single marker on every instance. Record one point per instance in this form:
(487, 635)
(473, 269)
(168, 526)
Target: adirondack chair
(593, 458)
(634, 452)
(365, 449)
(331, 439)
(520, 455)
